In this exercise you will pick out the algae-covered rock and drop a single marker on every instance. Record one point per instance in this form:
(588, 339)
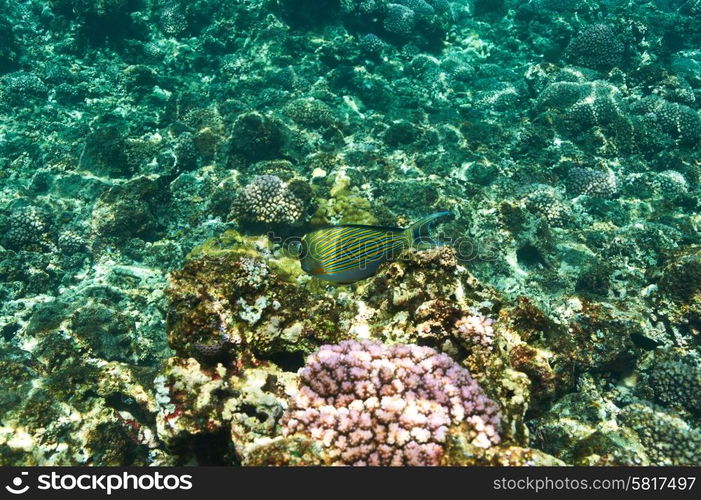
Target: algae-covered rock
(233, 303)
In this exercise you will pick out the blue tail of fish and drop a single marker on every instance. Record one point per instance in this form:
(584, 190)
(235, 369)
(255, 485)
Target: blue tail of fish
(419, 233)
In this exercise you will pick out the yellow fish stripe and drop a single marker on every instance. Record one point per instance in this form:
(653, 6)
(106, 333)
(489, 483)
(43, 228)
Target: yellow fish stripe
(321, 238)
(322, 244)
(359, 263)
(337, 246)
(351, 248)
(354, 247)
(348, 248)
(378, 249)
(340, 239)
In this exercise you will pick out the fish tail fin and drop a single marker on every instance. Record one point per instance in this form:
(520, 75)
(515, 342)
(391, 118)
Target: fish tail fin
(419, 233)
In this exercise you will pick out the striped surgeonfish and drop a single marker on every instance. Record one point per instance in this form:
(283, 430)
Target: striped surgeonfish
(347, 253)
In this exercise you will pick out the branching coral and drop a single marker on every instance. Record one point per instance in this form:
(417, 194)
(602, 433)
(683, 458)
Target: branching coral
(476, 330)
(374, 404)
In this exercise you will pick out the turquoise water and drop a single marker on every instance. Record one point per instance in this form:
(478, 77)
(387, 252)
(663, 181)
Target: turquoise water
(161, 160)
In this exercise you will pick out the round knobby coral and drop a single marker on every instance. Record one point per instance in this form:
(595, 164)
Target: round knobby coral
(29, 229)
(372, 44)
(310, 112)
(399, 20)
(597, 46)
(591, 182)
(670, 183)
(546, 203)
(677, 383)
(376, 404)
(22, 89)
(269, 200)
(70, 242)
(667, 439)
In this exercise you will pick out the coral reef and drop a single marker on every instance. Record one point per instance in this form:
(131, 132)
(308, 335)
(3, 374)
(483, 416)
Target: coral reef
(158, 160)
(668, 440)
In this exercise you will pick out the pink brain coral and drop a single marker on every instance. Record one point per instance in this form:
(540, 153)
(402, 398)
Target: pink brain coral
(376, 404)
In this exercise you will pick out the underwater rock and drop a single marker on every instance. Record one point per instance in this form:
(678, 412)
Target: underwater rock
(241, 410)
(574, 108)
(424, 23)
(259, 310)
(100, 409)
(131, 210)
(190, 400)
(581, 429)
(9, 51)
(681, 277)
(298, 14)
(597, 335)
(105, 153)
(459, 452)
(294, 451)
(256, 137)
(105, 22)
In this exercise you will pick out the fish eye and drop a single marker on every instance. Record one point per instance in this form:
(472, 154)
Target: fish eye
(295, 247)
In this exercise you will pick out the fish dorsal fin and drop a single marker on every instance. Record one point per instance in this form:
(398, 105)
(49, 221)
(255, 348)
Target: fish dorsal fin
(359, 226)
